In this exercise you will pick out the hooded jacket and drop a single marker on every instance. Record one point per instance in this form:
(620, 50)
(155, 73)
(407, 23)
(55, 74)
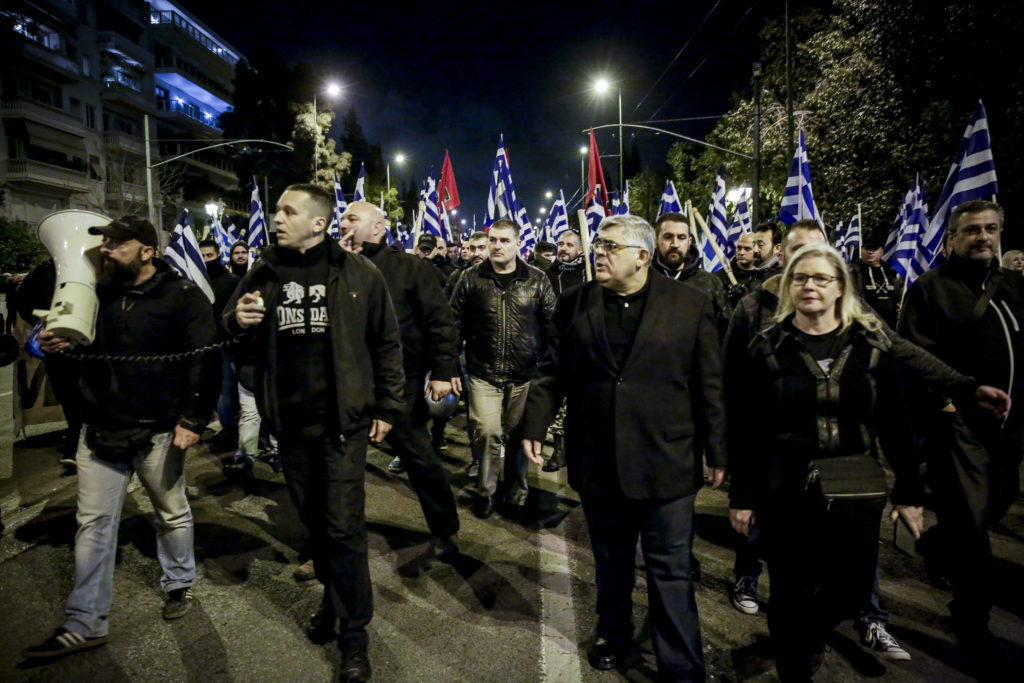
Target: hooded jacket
(565, 276)
(365, 342)
(506, 331)
(693, 274)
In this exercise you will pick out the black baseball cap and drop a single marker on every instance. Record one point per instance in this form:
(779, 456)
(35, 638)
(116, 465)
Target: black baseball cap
(429, 241)
(129, 228)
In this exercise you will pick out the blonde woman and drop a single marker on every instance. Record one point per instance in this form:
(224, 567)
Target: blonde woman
(1014, 260)
(822, 382)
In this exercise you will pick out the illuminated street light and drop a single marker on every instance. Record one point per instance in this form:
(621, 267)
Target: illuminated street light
(399, 159)
(603, 86)
(549, 194)
(332, 91)
(543, 211)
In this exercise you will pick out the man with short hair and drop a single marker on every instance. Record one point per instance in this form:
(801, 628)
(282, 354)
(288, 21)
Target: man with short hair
(503, 310)
(428, 348)
(239, 258)
(568, 269)
(879, 286)
(969, 313)
(677, 257)
(543, 255)
(743, 265)
(139, 418)
(637, 358)
(328, 374)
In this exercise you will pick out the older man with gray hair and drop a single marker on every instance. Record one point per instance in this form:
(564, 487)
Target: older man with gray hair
(638, 360)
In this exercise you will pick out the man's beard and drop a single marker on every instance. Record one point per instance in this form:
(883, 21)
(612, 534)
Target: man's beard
(114, 273)
(674, 259)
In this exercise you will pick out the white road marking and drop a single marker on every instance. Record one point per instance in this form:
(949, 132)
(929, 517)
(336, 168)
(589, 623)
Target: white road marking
(559, 660)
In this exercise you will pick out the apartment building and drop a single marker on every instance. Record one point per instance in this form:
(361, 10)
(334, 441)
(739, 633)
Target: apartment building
(77, 78)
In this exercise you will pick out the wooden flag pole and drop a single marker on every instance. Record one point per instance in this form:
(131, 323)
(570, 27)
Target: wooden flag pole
(714, 243)
(418, 225)
(585, 239)
(860, 226)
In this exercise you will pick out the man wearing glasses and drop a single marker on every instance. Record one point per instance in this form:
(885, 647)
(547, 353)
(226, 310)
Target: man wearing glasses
(637, 358)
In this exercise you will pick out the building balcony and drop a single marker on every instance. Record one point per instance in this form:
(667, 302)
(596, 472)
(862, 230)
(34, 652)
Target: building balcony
(190, 112)
(173, 19)
(24, 108)
(114, 90)
(57, 65)
(130, 192)
(29, 172)
(125, 143)
(221, 171)
(124, 49)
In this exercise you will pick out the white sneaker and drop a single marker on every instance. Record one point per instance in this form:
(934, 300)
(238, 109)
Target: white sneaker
(744, 595)
(396, 466)
(878, 639)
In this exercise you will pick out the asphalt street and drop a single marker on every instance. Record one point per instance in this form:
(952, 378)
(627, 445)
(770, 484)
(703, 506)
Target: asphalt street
(515, 605)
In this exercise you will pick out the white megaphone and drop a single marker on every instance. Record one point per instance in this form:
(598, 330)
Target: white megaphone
(76, 253)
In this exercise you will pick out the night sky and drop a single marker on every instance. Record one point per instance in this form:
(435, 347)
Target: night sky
(455, 75)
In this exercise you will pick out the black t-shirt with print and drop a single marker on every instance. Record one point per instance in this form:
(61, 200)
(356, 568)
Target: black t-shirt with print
(305, 362)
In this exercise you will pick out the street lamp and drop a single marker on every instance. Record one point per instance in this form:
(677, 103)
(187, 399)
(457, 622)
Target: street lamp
(333, 90)
(602, 86)
(549, 194)
(399, 159)
(583, 175)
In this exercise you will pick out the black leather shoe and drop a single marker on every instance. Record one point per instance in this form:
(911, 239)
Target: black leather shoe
(321, 626)
(606, 655)
(355, 666)
(484, 507)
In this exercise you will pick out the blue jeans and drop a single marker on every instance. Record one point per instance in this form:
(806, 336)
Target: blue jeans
(102, 486)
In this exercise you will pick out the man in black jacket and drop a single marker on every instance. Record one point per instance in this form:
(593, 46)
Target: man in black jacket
(568, 269)
(138, 418)
(223, 283)
(328, 373)
(503, 311)
(637, 358)
(969, 313)
(678, 258)
(428, 347)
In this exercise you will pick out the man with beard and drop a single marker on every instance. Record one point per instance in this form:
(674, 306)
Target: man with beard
(138, 418)
(767, 249)
(568, 269)
(677, 257)
(239, 258)
(428, 347)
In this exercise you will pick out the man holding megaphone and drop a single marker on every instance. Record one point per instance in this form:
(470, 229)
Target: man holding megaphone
(140, 417)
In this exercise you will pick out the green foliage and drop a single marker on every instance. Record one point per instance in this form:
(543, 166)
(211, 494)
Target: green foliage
(310, 140)
(20, 249)
(645, 193)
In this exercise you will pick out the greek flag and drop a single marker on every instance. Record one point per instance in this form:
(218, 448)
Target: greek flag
(620, 207)
(741, 223)
(851, 239)
(716, 222)
(595, 214)
(339, 209)
(359, 195)
(231, 230)
(558, 219)
(220, 235)
(908, 244)
(183, 255)
(972, 176)
(431, 219)
(669, 200)
(257, 226)
(798, 200)
(840, 243)
(403, 236)
(502, 201)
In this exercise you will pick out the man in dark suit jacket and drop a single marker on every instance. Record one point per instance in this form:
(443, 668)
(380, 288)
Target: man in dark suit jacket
(638, 360)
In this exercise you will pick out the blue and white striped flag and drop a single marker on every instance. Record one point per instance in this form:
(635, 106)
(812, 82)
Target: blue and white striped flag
(257, 237)
(912, 231)
(595, 214)
(620, 207)
(669, 200)
(184, 256)
(339, 209)
(798, 199)
(223, 240)
(716, 224)
(851, 239)
(972, 176)
(840, 241)
(359, 194)
(431, 219)
(231, 230)
(403, 236)
(741, 222)
(558, 219)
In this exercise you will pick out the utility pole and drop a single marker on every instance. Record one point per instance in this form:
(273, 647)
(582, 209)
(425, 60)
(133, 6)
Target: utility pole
(789, 89)
(755, 217)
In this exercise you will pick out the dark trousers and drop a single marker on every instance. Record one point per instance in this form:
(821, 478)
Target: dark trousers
(227, 401)
(822, 560)
(665, 529)
(326, 476)
(411, 441)
(974, 479)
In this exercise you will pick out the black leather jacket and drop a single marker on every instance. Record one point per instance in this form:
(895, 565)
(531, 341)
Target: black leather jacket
(505, 330)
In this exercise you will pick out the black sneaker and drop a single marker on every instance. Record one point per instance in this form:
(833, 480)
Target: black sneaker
(396, 466)
(355, 666)
(179, 603)
(239, 465)
(439, 443)
(62, 642)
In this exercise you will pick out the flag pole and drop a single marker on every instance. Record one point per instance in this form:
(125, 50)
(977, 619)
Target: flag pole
(418, 225)
(714, 243)
(581, 215)
(860, 226)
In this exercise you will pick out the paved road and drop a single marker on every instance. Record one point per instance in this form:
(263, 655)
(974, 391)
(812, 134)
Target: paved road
(512, 607)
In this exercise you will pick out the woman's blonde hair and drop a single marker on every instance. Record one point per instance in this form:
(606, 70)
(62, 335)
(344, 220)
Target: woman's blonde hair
(1009, 256)
(848, 306)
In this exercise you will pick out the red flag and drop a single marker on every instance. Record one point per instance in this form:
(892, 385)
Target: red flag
(595, 177)
(447, 190)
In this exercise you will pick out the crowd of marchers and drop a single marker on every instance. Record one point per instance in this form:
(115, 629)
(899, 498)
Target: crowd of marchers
(790, 382)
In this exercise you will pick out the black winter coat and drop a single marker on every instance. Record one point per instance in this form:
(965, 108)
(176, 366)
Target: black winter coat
(692, 273)
(642, 426)
(364, 339)
(565, 276)
(506, 331)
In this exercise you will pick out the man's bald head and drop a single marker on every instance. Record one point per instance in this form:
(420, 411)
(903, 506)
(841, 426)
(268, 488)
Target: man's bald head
(365, 222)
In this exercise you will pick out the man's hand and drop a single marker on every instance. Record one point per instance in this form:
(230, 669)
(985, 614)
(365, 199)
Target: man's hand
(994, 400)
(250, 310)
(457, 386)
(716, 476)
(184, 438)
(533, 450)
(378, 430)
(913, 516)
(438, 389)
(51, 343)
(741, 520)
